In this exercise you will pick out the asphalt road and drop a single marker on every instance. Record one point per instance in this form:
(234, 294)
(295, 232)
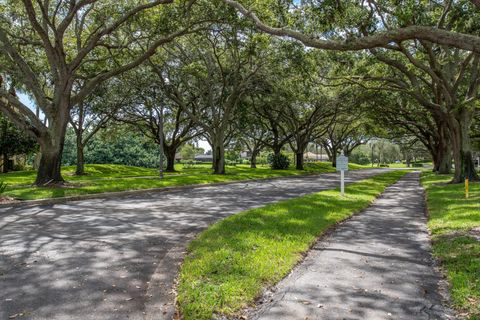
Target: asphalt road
(375, 266)
(118, 258)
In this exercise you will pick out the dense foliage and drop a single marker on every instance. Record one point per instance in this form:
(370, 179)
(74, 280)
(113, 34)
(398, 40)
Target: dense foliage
(13, 142)
(115, 147)
(278, 161)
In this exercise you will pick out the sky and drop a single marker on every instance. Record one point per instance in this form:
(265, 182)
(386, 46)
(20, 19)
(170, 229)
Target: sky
(204, 145)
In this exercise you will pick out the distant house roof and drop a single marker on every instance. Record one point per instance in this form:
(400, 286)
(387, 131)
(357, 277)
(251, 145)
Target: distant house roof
(245, 154)
(315, 156)
(204, 157)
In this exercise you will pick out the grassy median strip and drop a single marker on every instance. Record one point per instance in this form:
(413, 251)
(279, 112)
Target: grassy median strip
(111, 178)
(455, 226)
(229, 263)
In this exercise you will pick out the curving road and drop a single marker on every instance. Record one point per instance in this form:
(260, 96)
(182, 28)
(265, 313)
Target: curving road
(118, 258)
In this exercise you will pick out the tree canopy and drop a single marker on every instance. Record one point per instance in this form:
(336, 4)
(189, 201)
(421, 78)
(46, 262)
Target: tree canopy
(244, 75)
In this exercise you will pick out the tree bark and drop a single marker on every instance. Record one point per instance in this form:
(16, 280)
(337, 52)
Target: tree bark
(299, 161)
(80, 170)
(170, 155)
(219, 159)
(442, 159)
(253, 160)
(334, 157)
(445, 164)
(214, 159)
(5, 163)
(51, 149)
(49, 170)
(462, 148)
(277, 149)
(299, 153)
(218, 151)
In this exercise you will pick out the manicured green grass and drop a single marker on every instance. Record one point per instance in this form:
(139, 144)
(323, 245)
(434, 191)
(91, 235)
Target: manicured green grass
(452, 217)
(228, 264)
(425, 165)
(109, 178)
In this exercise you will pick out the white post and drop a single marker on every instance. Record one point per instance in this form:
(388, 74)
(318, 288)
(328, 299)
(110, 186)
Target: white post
(342, 184)
(160, 140)
(342, 166)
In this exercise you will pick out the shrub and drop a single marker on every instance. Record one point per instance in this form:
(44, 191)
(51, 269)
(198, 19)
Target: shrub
(18, 167)
(417, 165)
(231, 163)
(3, 187)
(279, 161)
(383, 165)
(188, 163)
(359, 158)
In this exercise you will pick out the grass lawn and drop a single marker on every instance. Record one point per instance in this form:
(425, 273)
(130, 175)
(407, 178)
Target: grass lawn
(413, 166)
(228, 264)
(452, 218)
(108, 178)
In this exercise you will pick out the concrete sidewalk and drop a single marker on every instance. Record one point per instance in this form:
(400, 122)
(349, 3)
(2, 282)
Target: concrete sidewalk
(376, 265)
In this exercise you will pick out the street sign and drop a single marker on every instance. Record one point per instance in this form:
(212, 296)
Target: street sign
(342, 166)
(342, 163)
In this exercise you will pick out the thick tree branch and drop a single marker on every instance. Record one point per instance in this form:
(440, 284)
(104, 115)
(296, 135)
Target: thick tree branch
(381, 39)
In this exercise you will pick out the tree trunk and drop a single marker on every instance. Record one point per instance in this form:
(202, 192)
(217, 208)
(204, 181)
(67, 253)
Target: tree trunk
(5, 163)
(299, 155)
(218, 153)
(442, 159)
(219, 163)
(170, 155)
(253, 160)
(445, 164)
(334, 157)
(80, 171)
(49, 169)
(441, 153)
(299, 161)
(51, 149)
(213, 157)
(277, 149)
(462, 149)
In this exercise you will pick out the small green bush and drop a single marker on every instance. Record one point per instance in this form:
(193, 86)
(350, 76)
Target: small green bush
(383, 165)
(279, 161)
(417, 165)
(231, 163)
(18, 167)
(189, 163)
(3, 187)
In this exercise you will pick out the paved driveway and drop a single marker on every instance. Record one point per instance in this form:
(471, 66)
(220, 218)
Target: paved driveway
(117, 258)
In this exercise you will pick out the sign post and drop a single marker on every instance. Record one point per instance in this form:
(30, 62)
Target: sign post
(342, 166)
(466, 188)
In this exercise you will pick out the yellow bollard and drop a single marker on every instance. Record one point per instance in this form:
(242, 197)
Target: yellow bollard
(466, 188)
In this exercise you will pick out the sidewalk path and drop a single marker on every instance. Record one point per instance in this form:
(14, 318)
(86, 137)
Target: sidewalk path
(376, 265)
(117, 258)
